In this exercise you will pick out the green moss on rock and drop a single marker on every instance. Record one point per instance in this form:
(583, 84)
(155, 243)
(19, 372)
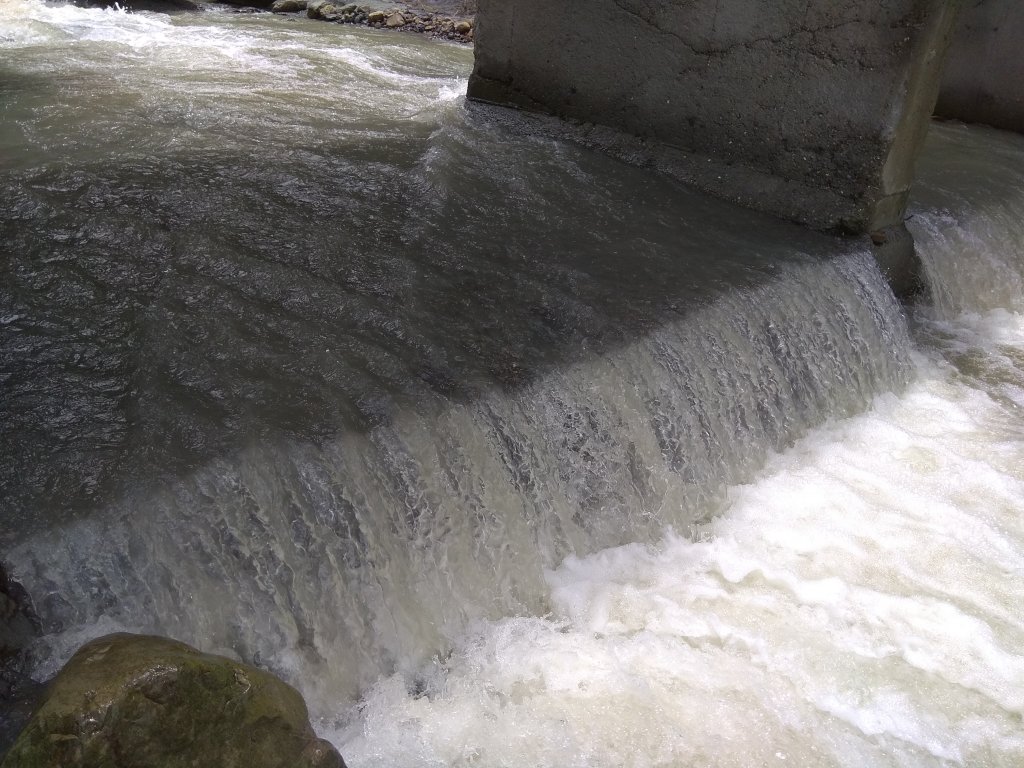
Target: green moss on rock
(135, 701)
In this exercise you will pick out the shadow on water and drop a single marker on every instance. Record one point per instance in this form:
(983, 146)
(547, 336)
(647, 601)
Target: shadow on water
(161, 310)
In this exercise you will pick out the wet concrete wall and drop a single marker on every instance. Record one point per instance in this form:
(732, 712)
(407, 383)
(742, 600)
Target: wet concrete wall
(984, 76)
(809, 109)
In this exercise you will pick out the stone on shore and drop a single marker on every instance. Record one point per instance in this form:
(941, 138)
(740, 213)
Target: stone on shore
(249, 3)
(402, 18)
(127, 701)
(322, 9)
(289, 6)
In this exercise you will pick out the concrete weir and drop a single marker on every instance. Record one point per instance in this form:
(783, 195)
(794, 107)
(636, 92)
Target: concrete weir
(812, 110)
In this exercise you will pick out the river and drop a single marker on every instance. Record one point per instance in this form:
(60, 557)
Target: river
(502, 450)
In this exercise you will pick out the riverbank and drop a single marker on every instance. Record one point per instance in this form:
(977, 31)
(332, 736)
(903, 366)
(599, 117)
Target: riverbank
(453, 20)
(447, 19)
(428, 20)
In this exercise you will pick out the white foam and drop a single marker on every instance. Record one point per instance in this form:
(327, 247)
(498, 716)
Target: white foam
(858, 605)
(150, 39)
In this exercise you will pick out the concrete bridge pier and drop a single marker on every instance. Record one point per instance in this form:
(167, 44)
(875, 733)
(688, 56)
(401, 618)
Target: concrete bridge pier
(811, 110)
(984, 75)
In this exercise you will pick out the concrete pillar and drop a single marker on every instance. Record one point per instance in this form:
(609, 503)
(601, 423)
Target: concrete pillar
(984, 77)
(811, 110)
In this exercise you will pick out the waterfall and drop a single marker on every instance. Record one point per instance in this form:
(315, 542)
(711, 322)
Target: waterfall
(342, 561)
(966, 220)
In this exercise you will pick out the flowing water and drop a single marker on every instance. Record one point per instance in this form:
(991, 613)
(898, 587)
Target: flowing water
(501, 450)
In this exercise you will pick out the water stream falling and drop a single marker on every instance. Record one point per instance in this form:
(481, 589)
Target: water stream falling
(501, 450)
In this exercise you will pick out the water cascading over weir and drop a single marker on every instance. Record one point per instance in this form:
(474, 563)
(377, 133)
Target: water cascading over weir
(500, 448)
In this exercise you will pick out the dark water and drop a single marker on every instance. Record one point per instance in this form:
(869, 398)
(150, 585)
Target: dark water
(307, 361)
(217, 272)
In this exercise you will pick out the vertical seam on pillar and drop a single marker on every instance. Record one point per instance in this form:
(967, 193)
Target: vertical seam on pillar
(709, 43)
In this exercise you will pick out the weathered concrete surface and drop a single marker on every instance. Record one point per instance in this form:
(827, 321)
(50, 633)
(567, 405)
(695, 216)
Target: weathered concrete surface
(984, 77)
(809, 109)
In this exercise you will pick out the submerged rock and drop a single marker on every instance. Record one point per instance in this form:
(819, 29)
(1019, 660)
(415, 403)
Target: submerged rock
(19, 694)
(134, 700)
(18, 624)
(16, 629)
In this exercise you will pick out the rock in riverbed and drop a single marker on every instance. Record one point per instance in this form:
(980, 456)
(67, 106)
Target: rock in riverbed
(127, 701)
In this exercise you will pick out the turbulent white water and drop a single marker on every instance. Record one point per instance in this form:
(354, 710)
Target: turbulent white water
(805, 586)
(858, 604)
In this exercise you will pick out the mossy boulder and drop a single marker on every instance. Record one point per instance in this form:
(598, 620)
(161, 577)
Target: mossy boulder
(135, 701)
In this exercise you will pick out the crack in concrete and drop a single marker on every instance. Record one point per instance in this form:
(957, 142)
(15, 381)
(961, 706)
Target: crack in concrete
(710, 51)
